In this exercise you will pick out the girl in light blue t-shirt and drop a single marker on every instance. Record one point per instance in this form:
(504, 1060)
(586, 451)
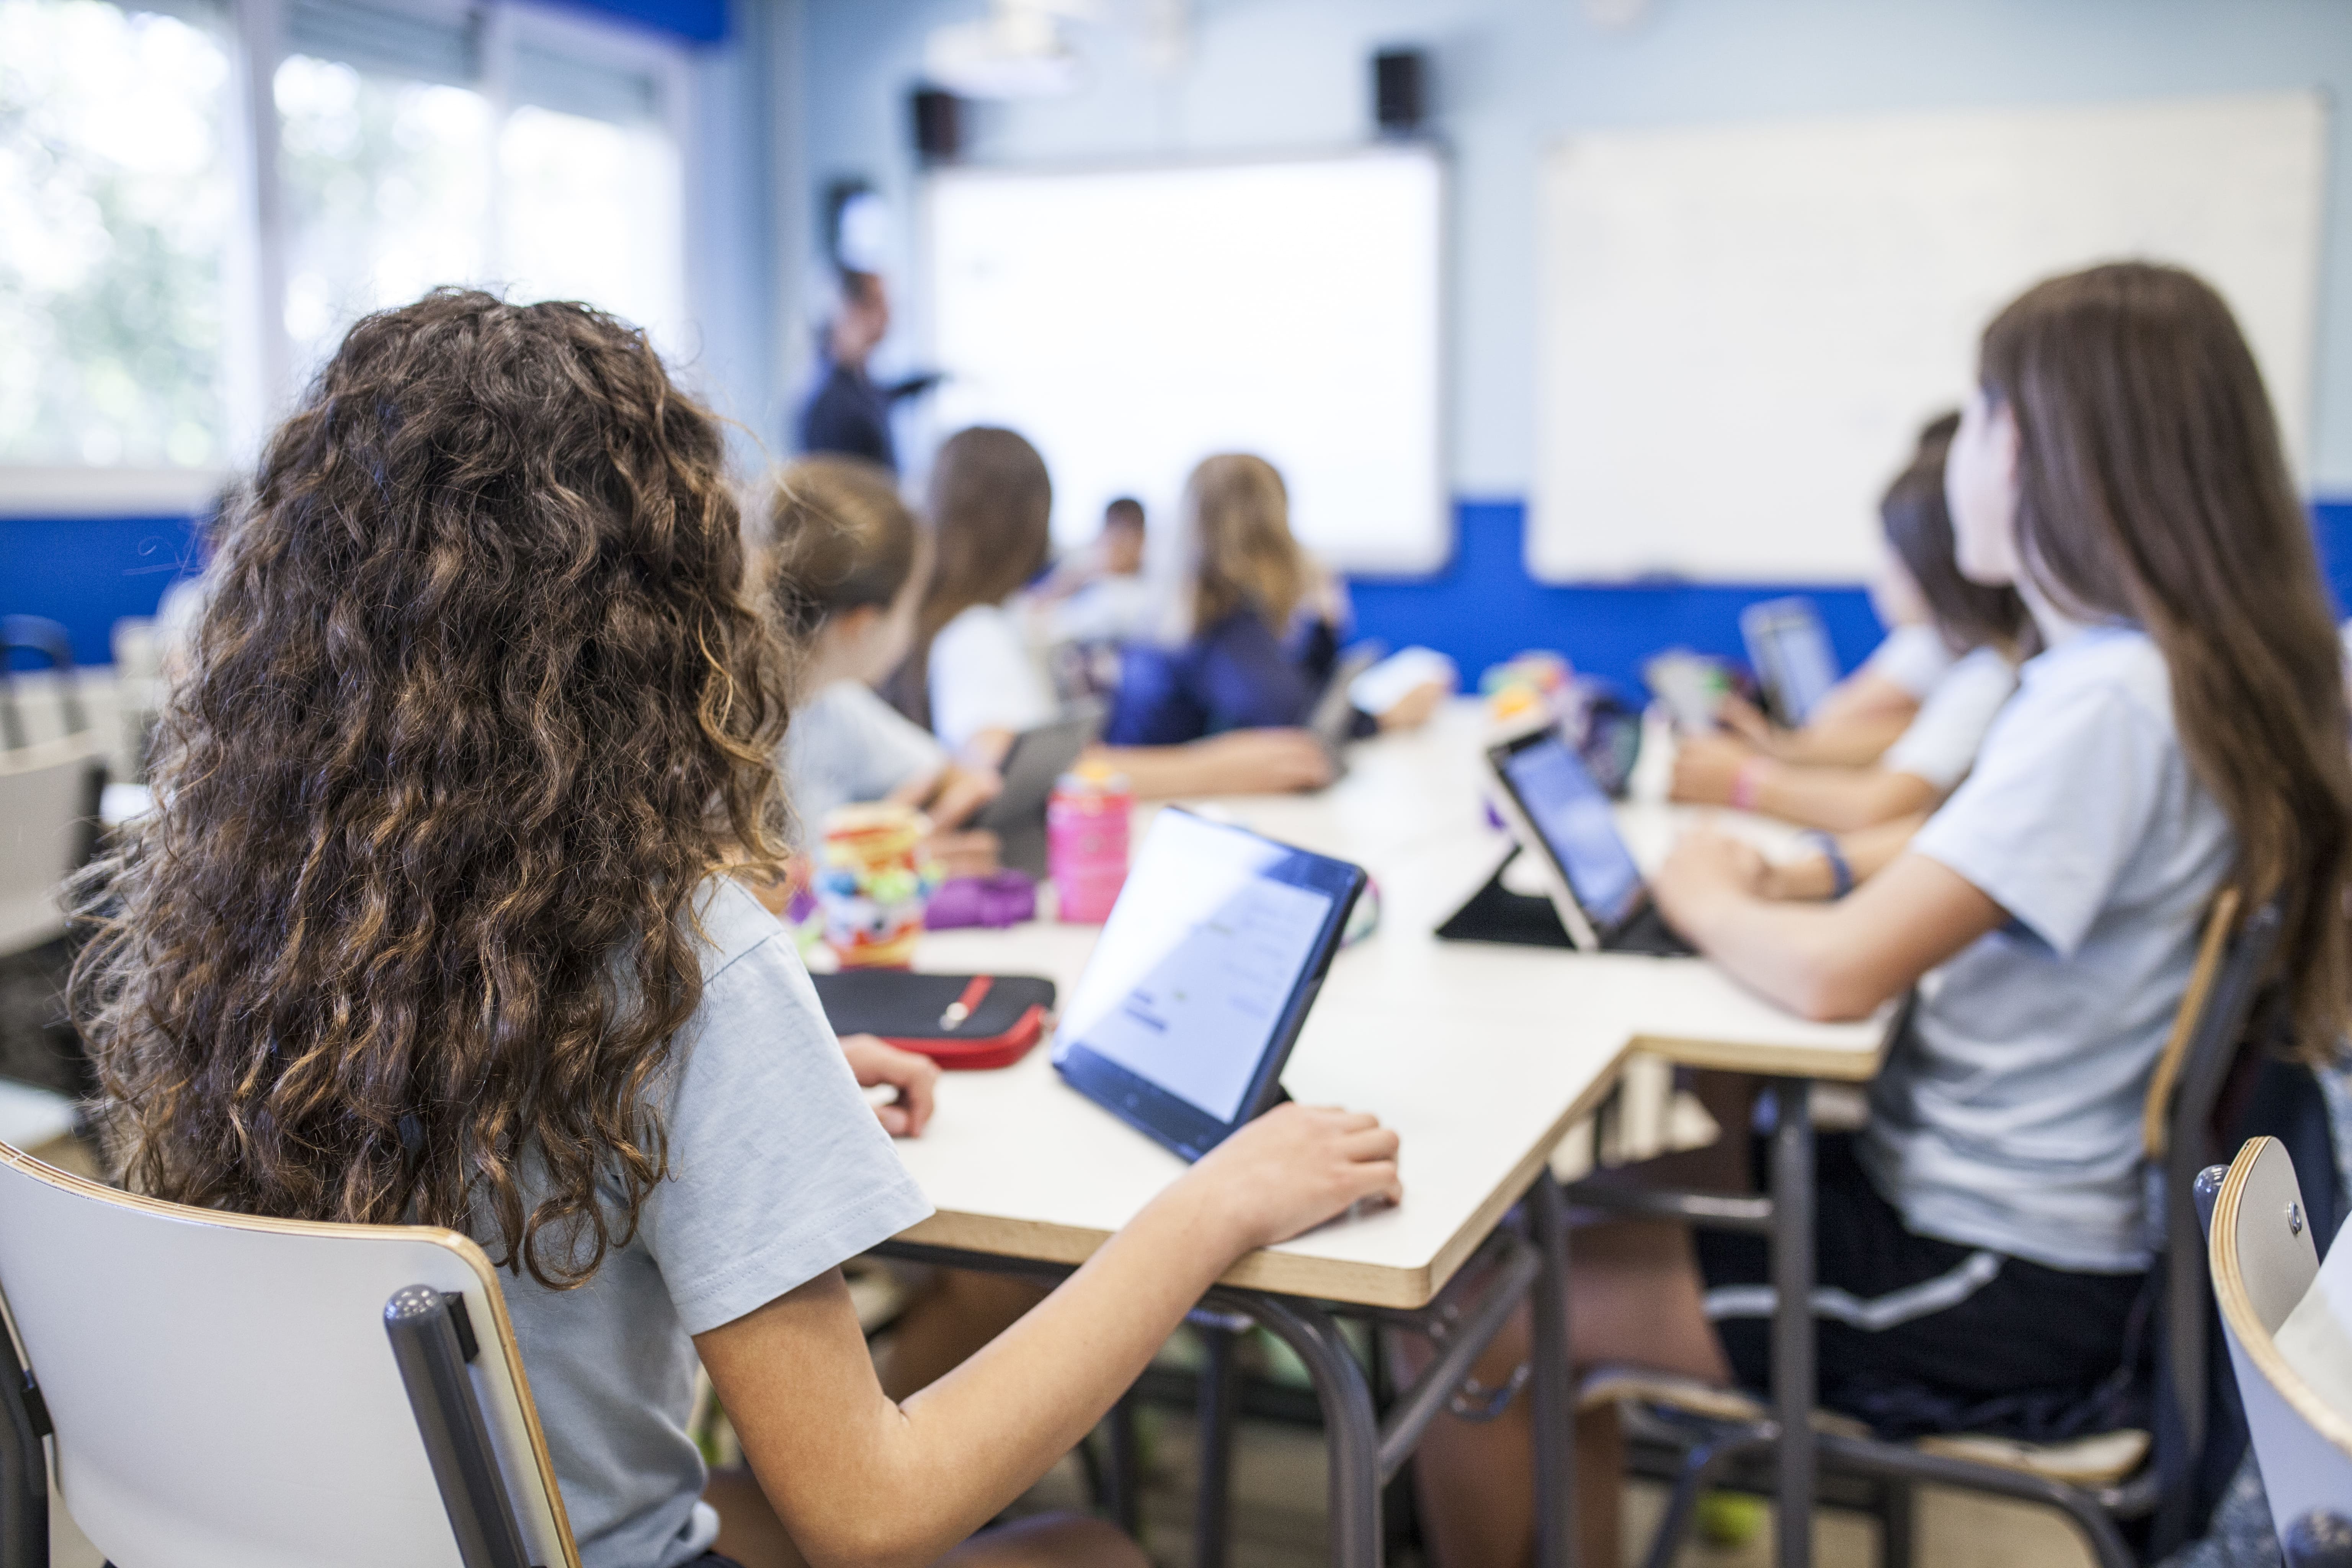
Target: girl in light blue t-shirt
(438, 921)
(1982, 1243)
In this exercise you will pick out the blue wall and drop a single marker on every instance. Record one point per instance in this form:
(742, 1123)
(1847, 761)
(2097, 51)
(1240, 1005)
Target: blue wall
(89, 572)
(1481, 609)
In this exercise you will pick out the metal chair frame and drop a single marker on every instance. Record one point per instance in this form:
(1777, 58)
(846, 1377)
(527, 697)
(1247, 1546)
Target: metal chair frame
(1716, 1450)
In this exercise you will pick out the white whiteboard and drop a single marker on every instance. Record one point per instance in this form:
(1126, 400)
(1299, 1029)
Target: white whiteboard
(1742, 328)
(1132, 321)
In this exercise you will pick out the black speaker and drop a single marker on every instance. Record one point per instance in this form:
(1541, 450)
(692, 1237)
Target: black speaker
(939, 124)
(1400, 90)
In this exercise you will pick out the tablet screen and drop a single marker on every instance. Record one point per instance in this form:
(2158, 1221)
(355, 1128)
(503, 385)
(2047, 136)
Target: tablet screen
(1792, 653)
(1568, 810)
(1198, 962)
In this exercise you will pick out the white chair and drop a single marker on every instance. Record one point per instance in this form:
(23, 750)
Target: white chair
(2263, 1262)
(226, 1391)
(47, 802)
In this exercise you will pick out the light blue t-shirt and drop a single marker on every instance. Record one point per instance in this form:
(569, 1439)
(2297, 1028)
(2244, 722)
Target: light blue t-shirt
(779, 1171)
(2009, 1114)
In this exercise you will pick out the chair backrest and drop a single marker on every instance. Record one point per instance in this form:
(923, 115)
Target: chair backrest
(45, 807)
(2263, 1261)
(2233, 957)
(225, 1390)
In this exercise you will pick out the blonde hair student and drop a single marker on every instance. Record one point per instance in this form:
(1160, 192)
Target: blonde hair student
(845, 567)
(2185, 731)
(437, 921)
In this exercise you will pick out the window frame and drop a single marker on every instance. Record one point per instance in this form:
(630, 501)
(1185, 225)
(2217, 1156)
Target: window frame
(259, 368)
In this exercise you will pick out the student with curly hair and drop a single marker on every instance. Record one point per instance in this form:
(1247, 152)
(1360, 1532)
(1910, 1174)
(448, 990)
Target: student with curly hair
(437, 922)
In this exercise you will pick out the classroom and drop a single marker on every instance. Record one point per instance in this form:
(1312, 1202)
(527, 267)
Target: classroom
(1020, 784)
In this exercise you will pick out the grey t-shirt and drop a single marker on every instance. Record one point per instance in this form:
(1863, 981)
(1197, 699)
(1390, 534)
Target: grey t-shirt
(1941, 743)
(779, 1171)
(846, 746)
(2009, 1114)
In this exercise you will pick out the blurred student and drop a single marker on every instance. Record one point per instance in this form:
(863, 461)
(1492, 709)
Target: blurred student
(843, 572)
(1100, 594)
(972, 674)
(2120, 464)
(846, 411)
(1984, 629)
(1260, 622)
(436, 910)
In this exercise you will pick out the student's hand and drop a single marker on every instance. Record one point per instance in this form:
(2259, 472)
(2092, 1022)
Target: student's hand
(1294, 1168)
(915, 1077)
(1705, 868)
(1264, 762)
(1705, 768)
(951, 795)
(1413, 709)
(1747, 720)
(973, 854)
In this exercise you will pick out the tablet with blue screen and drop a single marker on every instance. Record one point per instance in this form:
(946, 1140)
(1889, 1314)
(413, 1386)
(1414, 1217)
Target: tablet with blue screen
(1560, 816)
(1202, 980)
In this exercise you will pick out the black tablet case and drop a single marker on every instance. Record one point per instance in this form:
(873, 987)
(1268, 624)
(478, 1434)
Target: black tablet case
(1496, 913)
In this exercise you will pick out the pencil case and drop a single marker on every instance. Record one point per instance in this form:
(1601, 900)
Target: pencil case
(960, 1021)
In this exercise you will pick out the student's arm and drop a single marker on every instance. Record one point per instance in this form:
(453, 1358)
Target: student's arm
(1851, 728)
(951, 795)
(1240, 762)
(1867, 851)
(1710, 769)
(1833, 960)
(858, 1480)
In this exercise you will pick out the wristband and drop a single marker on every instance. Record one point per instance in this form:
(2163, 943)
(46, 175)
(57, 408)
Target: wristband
(1841, 870)
(1747, 780)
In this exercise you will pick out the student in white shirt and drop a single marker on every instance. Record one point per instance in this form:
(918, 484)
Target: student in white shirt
(434, 912)
(972, 674)
(1983, 630)
(1983, 1238)
(842, 570)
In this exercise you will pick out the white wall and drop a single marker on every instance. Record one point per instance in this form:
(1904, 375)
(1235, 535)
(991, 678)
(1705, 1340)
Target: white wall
(1511, 75)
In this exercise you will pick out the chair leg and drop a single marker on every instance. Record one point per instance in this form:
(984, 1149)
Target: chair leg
(1895, 1521)
(1701, 1465)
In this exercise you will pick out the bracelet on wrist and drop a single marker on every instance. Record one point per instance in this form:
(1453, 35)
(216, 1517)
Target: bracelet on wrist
(1747, 782)
(1840, 869)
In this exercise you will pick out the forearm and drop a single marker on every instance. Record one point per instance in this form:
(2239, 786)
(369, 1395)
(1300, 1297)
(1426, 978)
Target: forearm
(1158, 773)
(1791, 953)
(1840, 800)
(907, 1482)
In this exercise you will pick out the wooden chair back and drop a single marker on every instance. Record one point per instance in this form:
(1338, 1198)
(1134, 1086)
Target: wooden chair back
(2263, 1261)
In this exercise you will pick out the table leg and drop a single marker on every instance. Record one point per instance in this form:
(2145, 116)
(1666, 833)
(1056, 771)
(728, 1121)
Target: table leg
(1351, 1432)
(1127, 1469)
(1553, 1390)
(1792, 1319)
(1212, 1509)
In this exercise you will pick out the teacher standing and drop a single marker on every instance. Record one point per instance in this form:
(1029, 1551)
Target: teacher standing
(846, 411)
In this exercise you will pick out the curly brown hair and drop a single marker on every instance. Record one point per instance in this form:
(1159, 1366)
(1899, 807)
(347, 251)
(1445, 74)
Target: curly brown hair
(477, 707)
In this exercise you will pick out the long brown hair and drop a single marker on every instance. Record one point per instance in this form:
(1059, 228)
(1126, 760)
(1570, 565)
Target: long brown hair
(2152, 489)
(477, 707)
(1237, 517)
(991, 506)
(1918, 527)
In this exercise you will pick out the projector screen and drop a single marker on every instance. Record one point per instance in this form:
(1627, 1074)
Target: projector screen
(1132, 321)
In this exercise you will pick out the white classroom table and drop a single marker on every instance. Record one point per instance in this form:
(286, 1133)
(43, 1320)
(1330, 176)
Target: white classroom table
(1481, 1056)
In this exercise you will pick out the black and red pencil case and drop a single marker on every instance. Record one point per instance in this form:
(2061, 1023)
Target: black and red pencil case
(960, 1021)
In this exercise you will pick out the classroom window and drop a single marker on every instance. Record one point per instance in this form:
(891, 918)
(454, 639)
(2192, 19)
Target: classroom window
(117, 199)
(163, 294)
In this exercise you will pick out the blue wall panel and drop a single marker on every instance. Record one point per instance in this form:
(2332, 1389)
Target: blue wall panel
(89, 573)
(1482, 608)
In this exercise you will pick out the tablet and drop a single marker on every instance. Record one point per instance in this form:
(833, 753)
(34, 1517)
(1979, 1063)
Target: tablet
(1038, 757)
(1559, 813)
(1333, 718)
(1790, 651)
(1187, 1010)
